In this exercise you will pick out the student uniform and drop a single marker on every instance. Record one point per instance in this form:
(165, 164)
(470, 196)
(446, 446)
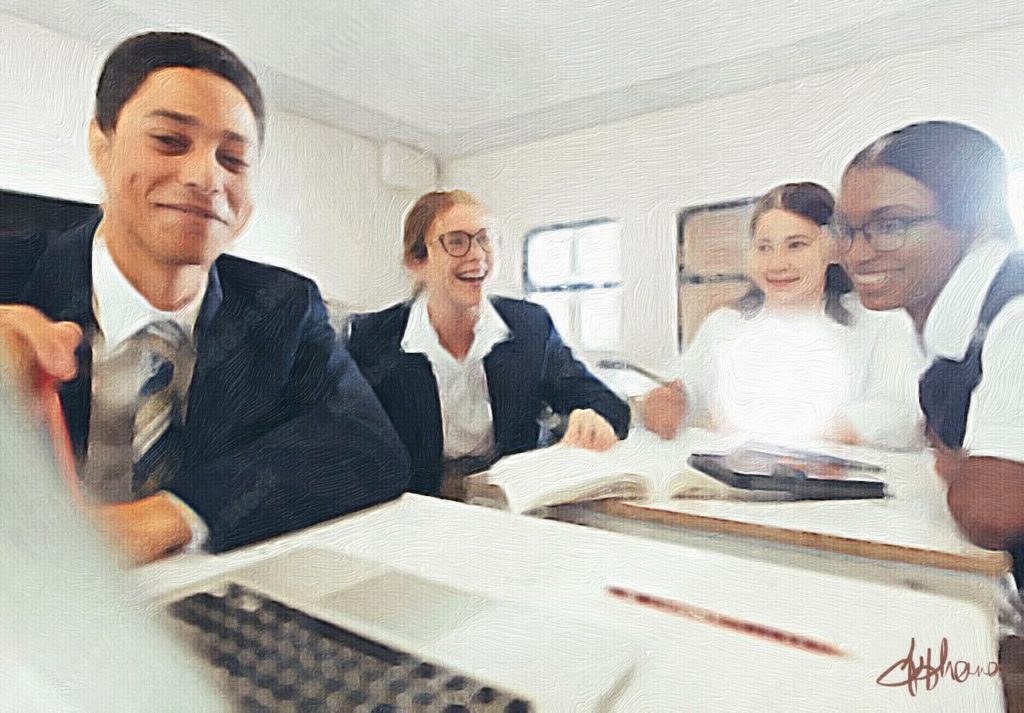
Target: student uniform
(788, 376)
(487, 406)
(278, 429)
(973, 391)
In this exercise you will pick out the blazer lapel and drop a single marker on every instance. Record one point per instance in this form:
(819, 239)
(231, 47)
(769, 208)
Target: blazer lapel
(502, 368)
(209, 352)
(220, 336)
(414, 383)
(402, 378)
(413, 380)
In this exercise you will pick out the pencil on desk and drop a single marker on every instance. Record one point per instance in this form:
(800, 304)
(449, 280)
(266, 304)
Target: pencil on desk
(706, 616)
(618, 364)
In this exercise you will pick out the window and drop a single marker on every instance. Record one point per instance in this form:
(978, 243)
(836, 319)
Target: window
(710, 261)
(575, 271)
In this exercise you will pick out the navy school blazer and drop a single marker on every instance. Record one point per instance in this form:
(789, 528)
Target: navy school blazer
(532, 368)
(282, 430)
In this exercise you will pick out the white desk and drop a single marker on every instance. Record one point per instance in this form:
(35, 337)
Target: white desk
(686, 665)
(908, 537)
(913, 521)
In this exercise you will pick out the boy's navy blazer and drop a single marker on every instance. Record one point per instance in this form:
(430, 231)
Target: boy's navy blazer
(282, 431)
(530, 369)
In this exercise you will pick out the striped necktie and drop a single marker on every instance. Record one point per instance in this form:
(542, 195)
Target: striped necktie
(157, 449)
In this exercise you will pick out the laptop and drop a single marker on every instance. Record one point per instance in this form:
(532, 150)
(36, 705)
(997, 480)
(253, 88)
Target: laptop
(318, 630)
(312, 630)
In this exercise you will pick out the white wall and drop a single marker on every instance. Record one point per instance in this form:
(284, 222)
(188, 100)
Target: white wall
(321, 207)
(323, 210)
(644, 170)
(45, 85)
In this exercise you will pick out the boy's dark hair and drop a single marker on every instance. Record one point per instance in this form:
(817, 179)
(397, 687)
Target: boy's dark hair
(137, 57)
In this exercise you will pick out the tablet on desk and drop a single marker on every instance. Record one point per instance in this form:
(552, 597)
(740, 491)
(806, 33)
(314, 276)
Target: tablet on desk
(788, 477)
(751, 454)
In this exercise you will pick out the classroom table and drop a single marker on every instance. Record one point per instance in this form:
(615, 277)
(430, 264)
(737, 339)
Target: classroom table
(908, 538)
(684, 664)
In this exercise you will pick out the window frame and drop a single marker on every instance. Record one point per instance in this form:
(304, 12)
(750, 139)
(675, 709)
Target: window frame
(686, 276)
(573, 287)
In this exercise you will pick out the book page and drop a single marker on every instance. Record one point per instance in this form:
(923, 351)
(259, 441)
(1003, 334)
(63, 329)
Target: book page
(680, 480)
(563, 474)
(641, 467)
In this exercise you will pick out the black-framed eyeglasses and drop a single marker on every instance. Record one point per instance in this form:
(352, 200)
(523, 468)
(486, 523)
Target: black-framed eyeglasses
(458, 242)
(884, 234)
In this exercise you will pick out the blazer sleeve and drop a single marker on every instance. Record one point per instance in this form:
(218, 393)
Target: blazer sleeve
(337, 452)
(568, 384)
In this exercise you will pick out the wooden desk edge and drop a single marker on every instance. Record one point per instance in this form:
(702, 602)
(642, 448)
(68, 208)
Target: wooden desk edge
(992, 564)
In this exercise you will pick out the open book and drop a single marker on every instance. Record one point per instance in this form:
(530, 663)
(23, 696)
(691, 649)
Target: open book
(646, 467)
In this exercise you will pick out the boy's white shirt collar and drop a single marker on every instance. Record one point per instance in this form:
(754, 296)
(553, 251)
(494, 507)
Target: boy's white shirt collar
(950, 325)
(120, 309)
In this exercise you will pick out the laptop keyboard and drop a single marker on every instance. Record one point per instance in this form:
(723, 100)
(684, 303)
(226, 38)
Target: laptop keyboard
(271, 657)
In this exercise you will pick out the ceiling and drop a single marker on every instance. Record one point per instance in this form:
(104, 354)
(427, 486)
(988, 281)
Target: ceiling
(463, 76)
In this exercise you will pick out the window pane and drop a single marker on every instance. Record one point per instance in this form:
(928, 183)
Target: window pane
(600, 319)
(598, 253)
(559, 306)
(549, 258)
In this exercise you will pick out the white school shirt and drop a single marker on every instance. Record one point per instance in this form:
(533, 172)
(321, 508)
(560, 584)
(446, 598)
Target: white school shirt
(995, 420)
(120, 313)
(466, 418)
(787, 377)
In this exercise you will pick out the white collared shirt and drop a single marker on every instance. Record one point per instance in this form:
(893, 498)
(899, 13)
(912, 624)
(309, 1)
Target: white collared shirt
(791, 376)
(466, 417)
(121, 311)
(995, 420)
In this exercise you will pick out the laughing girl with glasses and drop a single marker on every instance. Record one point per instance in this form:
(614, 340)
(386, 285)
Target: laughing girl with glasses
(464, 376)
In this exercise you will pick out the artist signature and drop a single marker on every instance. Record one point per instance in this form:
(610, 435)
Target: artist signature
(913, 669)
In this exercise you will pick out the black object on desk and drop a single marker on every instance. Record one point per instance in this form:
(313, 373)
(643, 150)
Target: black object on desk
(790, 482)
